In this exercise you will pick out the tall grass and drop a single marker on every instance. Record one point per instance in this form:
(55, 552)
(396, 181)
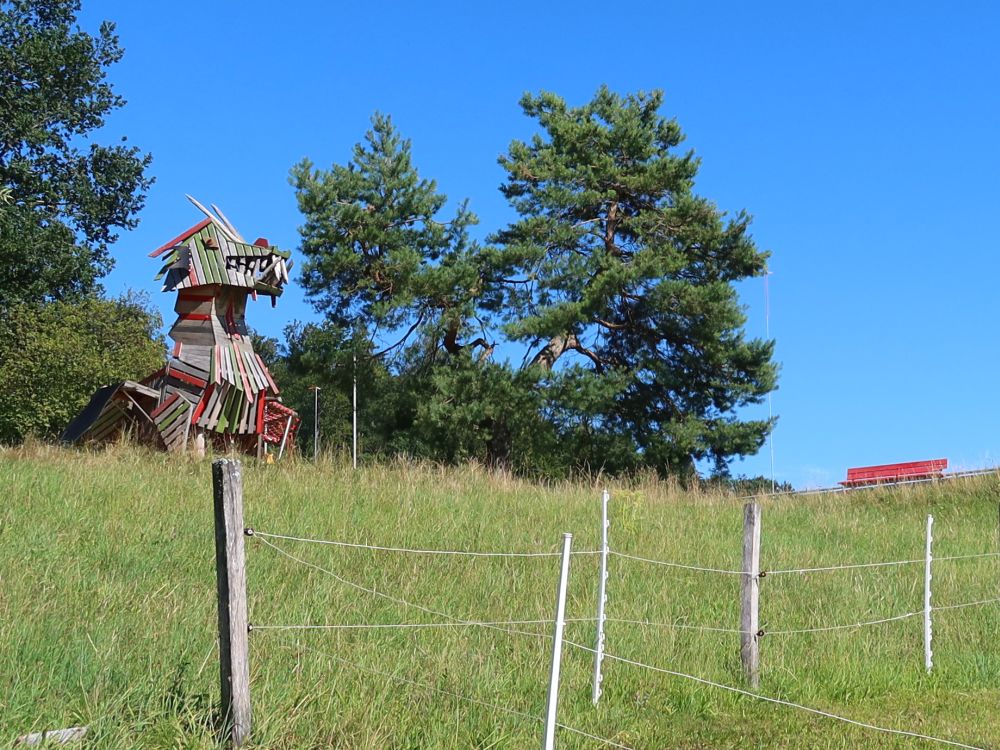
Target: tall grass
(108, 614)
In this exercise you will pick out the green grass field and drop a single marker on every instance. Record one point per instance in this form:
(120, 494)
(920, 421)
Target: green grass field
(108, 613)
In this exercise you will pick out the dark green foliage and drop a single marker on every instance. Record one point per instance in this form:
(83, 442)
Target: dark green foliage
(54, 356)
(378, 255)
(617, 262)
(61, 198)
(617, 278)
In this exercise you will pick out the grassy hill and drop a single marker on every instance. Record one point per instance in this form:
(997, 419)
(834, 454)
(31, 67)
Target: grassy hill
(107, 609)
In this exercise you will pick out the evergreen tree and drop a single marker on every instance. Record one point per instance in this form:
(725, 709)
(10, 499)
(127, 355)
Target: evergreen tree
(60, 201)
(620, 279)
(379, 257)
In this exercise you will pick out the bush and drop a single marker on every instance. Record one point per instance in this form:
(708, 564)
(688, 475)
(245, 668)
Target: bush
(53, 356)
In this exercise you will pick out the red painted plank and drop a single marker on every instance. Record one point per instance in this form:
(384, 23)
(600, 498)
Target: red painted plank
(159, 409)
(261, 397)
(180, 238)
(195, 297)
(189, 379)
(201, 404)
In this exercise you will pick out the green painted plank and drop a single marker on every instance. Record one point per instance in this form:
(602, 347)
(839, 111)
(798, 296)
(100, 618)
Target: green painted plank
(183, 408)
(224, 412)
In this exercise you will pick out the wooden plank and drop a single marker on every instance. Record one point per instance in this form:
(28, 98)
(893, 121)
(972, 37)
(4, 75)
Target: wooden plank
(262, 398)
(53, 736)
(242, 371)
(164, 406)
(254, 369)
(197, 356)
(211, 418)
(141, 389)
(223, 422)
(270, 380)
(179, 238)
(202, 403)
(187, 367)
(230, 566)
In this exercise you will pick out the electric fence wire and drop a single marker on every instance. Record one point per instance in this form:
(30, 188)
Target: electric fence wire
(796, 631)
(406, 550)
(778, 701)
(667, 564)
(402, 625)
(451, 693)
(395, 599)
(501, 626)
(782, 571)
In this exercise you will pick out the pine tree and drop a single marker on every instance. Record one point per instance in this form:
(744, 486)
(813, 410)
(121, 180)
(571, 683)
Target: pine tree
(620, 279)
(378, 255)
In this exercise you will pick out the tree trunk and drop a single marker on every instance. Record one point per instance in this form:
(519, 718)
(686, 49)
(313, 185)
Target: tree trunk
(552, 351)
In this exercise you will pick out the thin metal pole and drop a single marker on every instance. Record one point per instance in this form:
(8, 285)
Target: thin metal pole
(354, 448)
(601, 601)
(549, 738)
(928, 653)
(767, 336)
(315, 389)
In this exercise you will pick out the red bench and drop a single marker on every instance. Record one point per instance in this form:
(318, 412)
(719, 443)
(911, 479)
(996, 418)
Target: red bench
(863, 475)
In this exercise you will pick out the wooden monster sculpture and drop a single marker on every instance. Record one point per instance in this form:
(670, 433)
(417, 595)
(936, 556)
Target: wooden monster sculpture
(213, 386)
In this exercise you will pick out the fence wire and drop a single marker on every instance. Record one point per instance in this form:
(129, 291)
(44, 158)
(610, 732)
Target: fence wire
(451, 693)
(413, 551)
(778, 701)
(395, 599)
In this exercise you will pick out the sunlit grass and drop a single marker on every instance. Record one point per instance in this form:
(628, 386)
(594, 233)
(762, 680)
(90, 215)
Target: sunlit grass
(108, 618)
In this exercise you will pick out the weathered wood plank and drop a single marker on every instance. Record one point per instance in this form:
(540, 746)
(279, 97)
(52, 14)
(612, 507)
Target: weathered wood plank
(53, 736)
(230, 563)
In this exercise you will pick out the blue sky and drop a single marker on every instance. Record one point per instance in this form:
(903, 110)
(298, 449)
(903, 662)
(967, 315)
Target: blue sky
(861, 136)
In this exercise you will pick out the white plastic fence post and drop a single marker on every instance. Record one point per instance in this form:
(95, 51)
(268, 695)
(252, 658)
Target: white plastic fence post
(549, 739)
(928, 654)
(750, 594)
(601, 601)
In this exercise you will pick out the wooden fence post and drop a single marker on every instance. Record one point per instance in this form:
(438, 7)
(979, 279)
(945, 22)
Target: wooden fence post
(230, 565)
(750, 594)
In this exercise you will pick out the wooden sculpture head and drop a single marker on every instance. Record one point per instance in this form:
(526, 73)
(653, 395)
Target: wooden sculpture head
(213, 384)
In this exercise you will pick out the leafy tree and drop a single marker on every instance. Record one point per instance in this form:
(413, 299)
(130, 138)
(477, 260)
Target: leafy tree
(379, 257)
(60, 199)
(54, 356)
(618, 267)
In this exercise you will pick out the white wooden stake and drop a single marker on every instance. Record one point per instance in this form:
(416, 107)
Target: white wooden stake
(549, 738)
(284, 437)
(750, 594)
(928, 654)
(602, 583)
